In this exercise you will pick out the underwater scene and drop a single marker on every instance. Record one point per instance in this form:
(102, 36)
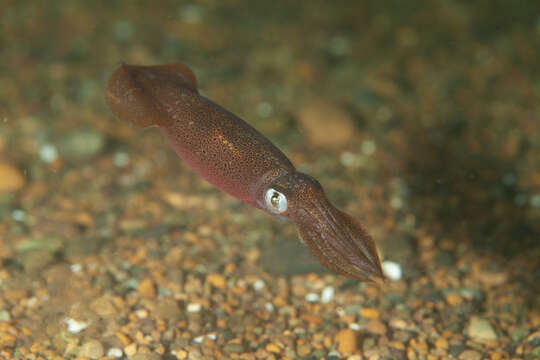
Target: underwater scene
(270, 179)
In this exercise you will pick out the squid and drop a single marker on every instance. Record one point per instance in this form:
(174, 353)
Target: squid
(237, 159)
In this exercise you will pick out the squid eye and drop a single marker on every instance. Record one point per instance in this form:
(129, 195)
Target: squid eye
(275, 201)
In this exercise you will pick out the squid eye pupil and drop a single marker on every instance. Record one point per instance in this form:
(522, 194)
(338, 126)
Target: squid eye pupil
(275, 201)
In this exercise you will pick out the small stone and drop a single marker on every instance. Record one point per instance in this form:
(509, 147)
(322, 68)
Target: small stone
(92, 349)
(441, 343)
(392, 270)
(216, 280)
(304, 349)
(454, 299)
(376, 327)
(35, 260)
(104, 307)
(81, 144)
(481, 330)
(193, 307)
(346, 341)
(181, 354)
(4, 315)
(327, 294)
(83, 245)
(146, 288)
(326, 124)
(370, 313)
(115, 352)
(234, 348)
(146, 356)
(273, 348)
(258, 285)
(75, 326)
(131, 349)
(470, 355)
(11, 178)
(7, 341)
(312, 297)
(48, 153)
(123, 338)
(167, 309)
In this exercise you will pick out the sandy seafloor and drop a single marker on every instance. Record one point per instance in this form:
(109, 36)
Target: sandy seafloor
(420, 118)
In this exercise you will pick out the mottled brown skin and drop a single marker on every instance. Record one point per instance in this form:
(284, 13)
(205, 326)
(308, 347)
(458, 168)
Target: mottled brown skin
(239, 160)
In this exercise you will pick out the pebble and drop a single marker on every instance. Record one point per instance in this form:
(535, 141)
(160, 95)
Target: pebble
(181, 354)
(370, 313)
(326, 124)
(346, 341)
(234, 348)
(115, 352)
(4, 316)
(75, 326)
(131, 349)
(376, 327)
(35, 261)
(258, 285)
(216, 280)
(193, 307)
(454, 299)
(441, 343)
(392, 270)
(312, 297)
(48, 153)
(327, 294)
(146, 356)
(304, 349)
(92, 349)
(147, 288)
(104, 307)
(81, 144)
(11, 178)
(481, 330)
(470, 355)
(273, 348)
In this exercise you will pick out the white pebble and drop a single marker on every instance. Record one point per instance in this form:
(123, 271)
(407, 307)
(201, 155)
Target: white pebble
(368, 147)
(354, 326)
(75, 326)
(269, 307)
(193, 307)
(192, 14)
(334, 353)
(339, 45)
(114, 352)
(392, 270)
(121, 159)
(327, 294)
(264, 109)
(312, 297)
(258, 285)
(141, 313)
(211, 336)
(48, 153)
(75, 268)
(347, 158)
(396, 202)
(198, 339)
(18, 215)
(535, 200)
